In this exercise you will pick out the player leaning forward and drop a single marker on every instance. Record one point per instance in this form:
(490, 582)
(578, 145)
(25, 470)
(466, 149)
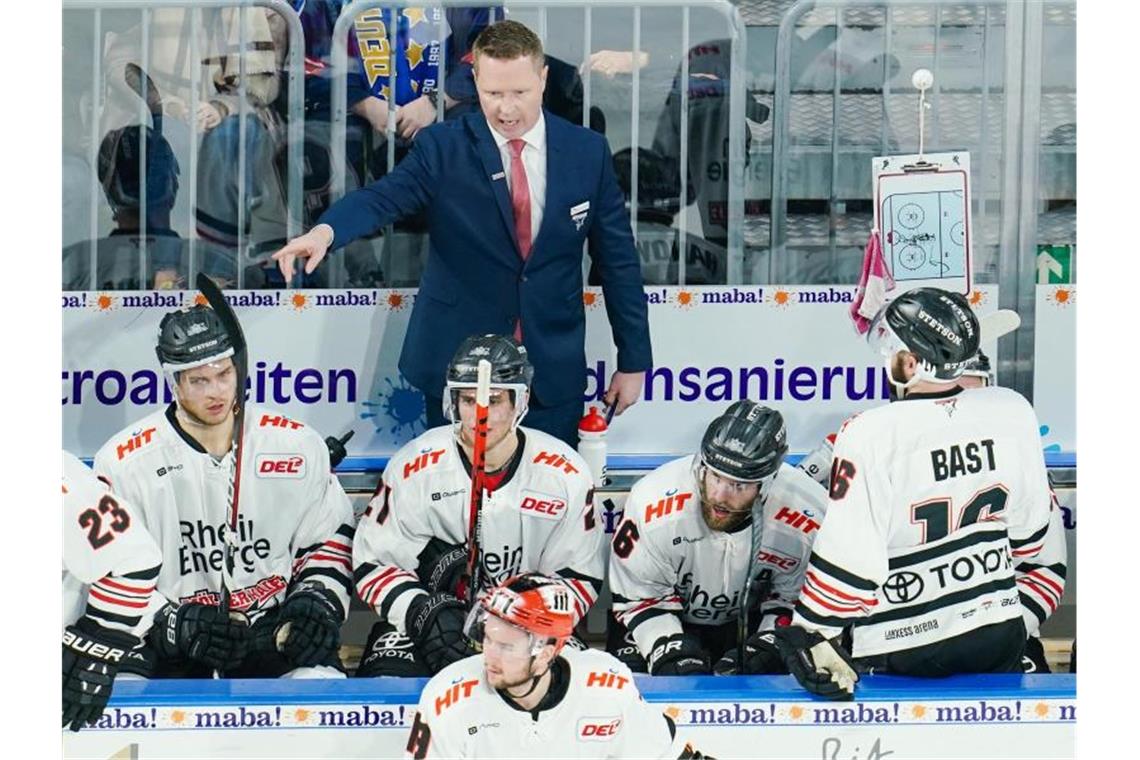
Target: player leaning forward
(934, 498)
(294, 538)
(110, 564)
(710, 536)
(412, 543)
(528, 695)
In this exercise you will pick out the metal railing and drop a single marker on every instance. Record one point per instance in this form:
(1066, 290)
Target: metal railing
(294, 67)
(736, 144)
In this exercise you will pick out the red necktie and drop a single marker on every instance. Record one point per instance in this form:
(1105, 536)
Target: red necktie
(520, 204)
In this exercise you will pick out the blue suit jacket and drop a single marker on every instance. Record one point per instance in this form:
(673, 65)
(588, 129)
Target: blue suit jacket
(475, 281)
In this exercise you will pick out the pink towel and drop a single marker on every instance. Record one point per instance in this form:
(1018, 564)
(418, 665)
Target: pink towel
(875, 285)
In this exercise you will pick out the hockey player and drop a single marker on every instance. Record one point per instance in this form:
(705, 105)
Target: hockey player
(110, 564)
(529, 696)
(293, 546)
(537, 515)
(695, 531)
(934, 498)
(1041, 580)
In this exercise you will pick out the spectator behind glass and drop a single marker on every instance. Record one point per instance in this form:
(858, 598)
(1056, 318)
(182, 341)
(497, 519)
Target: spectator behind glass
(118, 256)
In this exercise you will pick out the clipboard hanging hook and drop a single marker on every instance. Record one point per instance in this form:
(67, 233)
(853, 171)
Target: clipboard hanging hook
(922, 79)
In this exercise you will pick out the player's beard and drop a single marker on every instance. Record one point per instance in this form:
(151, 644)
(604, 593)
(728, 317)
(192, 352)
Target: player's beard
(725, 521)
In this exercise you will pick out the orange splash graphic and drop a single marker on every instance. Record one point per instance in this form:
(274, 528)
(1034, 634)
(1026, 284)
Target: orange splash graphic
(796, 713)
(589, 299)
(1041, 709)
(200, 300)
(918, 711)
(685, 299)
(103, 302)
(299, 301)
(1062, 297)
(781, 298)
(395, 301)
(977, 298)
(301, 715)
(673, 711)
(177, 717)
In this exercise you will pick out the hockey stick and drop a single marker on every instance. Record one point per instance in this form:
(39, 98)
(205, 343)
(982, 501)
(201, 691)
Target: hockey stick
(474, 572)
(229, 320)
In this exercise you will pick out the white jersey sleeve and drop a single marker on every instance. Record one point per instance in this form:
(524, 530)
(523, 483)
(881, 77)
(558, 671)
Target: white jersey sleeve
(642, 578)
(1041, 580)
(108, 550)
(322, 544)
(817, 463)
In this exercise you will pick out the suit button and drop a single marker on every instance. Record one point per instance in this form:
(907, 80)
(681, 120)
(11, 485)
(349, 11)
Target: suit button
(522, 278)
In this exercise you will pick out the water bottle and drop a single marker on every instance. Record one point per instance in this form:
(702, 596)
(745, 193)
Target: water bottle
(592, 444)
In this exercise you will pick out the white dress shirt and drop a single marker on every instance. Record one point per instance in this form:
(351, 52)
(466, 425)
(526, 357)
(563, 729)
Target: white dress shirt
(534, 161)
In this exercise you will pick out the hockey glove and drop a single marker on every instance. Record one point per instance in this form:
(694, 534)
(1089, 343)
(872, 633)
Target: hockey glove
(435, 623)
(761, 657)
(819, 666)
(308, 631)
(203, 633)
(91, 658)
(679, 654)
(441, 566)
(688, 753)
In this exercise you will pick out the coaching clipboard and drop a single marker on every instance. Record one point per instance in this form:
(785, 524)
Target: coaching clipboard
(922, 210)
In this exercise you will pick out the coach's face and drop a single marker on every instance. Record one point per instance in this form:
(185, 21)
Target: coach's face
(510, 92)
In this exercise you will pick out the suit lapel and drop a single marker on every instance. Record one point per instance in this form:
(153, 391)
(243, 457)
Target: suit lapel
(492, 162)
(557, 171)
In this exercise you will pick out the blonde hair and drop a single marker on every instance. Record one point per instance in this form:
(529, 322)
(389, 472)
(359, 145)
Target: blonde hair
(506, 41)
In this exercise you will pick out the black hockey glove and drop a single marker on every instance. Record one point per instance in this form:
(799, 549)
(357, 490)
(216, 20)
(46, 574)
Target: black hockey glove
(203, 633)
(435, 623)
(761, 657)
(308, 630)
(91, 658)
(1033, 658)
(688, 753)
(441, 565)
(389, 653)
(820, 666)
(679, 654)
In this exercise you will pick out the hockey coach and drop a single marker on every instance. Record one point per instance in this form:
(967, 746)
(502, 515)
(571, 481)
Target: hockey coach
(511, 193)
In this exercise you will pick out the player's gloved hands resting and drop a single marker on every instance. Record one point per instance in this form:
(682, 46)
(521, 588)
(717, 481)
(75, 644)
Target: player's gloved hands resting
(761, 657)
(308, 630)
(441, 565)
(678, 654)
(435, 623)
(820, 667)
(91, 658)
(203, 633)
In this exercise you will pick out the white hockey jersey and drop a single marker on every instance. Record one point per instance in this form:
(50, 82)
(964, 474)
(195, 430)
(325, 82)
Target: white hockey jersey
(294, 521)
(666, 565)
(540, 518)
(1040, 579)
(110, 562)
(602, 715)
(933, 500)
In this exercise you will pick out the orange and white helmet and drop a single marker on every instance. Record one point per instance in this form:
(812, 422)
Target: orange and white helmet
(535, 603)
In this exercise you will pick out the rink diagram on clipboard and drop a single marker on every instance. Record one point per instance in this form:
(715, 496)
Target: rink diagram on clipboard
(924, 235)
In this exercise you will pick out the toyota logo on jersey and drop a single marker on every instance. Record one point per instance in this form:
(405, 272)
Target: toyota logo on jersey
(903, 587)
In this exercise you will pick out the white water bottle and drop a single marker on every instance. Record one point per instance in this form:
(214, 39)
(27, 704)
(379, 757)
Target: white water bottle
(592, 444)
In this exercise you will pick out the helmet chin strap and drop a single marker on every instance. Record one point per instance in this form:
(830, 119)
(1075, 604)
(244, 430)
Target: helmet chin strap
(533, 683)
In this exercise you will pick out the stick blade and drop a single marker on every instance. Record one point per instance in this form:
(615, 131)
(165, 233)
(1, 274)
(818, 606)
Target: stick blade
(999, 323)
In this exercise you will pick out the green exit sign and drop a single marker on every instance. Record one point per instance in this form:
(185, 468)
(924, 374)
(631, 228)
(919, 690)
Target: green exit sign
(1054, 264)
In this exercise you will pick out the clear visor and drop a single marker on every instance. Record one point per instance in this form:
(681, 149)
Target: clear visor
(707, 476)
(499, 638)
(453, 400)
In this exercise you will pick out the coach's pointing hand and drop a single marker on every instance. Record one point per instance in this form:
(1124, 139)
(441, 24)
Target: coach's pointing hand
(313, 245)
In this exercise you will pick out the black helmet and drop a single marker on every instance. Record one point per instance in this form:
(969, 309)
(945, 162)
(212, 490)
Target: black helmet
(979, 366)
(191, 337)
(510, 369)
(937, 326)
(747, 443)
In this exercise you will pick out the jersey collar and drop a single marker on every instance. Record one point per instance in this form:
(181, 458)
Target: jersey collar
(953, 390)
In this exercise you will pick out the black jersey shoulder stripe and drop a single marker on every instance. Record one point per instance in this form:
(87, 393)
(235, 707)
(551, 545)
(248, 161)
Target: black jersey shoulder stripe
(1057, 568)
(950, 547)
(1032, 539)
(840, 574)
(149, 574)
